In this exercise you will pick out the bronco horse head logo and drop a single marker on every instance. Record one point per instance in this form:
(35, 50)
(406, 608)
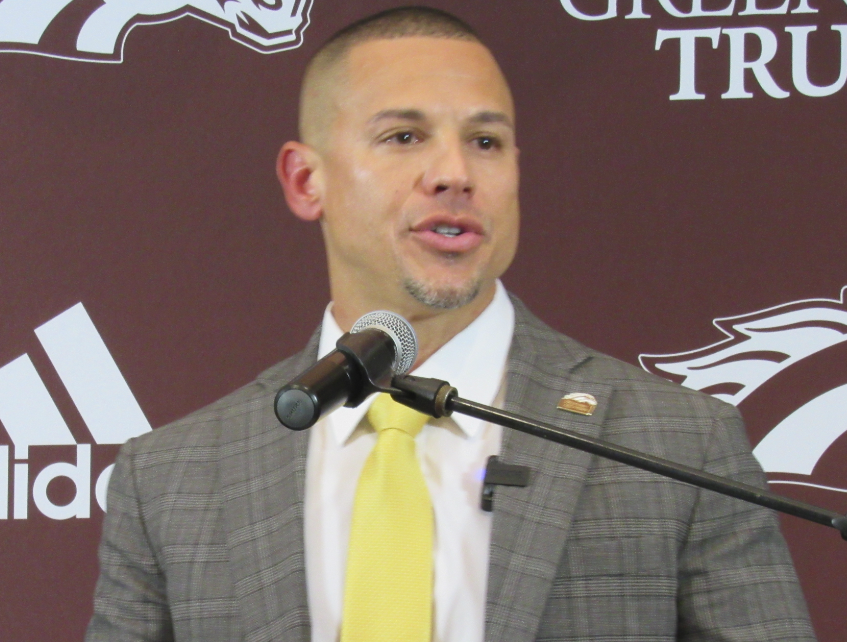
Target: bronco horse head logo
(785, 368)
(95, 30)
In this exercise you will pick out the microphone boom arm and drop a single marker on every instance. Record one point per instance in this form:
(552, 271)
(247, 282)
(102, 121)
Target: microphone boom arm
(438, 398)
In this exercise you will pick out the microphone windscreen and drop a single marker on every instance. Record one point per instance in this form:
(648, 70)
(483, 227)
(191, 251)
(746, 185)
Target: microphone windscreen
(401, 332)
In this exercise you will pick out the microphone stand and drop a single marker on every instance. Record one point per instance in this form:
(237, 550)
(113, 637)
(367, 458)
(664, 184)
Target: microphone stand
(438, 399)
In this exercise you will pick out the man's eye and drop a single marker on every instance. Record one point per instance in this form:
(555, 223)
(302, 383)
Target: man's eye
(403, 138)
(487, 142)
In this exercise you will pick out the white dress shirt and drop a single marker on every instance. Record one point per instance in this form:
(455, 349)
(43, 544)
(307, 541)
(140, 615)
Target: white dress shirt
(453, 452)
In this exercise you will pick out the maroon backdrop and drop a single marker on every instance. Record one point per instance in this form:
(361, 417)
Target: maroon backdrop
(140, 183)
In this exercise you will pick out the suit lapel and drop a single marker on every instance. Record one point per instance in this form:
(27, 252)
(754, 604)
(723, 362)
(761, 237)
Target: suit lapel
(263, 477)
(531, 525)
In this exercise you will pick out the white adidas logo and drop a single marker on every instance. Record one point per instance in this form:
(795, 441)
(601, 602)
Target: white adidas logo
(31, 418)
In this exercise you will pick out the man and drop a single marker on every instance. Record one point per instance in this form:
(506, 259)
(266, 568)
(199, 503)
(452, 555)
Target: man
(225, 526)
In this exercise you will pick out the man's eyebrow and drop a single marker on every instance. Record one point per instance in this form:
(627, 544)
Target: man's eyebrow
(486, 117)
(398, 114)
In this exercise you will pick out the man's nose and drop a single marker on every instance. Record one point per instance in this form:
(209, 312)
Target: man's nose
(448, 172)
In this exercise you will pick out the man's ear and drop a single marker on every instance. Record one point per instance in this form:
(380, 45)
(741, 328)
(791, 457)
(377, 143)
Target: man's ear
(295, 169)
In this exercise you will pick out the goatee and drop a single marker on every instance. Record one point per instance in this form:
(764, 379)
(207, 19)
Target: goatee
(442, 298)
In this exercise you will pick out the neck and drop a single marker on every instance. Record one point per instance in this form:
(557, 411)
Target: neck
(433, 327)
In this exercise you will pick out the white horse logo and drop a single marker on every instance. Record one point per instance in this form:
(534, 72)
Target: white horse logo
(267, 26)
(758, 347)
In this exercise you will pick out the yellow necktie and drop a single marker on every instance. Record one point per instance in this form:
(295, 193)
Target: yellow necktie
(388, 588)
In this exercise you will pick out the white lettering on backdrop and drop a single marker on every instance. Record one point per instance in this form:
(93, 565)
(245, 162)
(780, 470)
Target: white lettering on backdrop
(751, 48)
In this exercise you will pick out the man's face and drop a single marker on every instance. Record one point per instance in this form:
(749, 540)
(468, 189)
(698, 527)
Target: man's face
(419, 176)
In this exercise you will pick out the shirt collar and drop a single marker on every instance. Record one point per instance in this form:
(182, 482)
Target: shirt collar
(473, 362)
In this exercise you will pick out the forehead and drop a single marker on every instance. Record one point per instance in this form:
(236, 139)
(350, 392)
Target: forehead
(433, 75)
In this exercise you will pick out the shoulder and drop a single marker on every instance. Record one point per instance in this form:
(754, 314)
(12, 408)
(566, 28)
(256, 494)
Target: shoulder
(537, 346)
(212, 425)
(638, 402)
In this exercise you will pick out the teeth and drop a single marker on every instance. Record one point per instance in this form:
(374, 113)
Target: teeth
(448, 230)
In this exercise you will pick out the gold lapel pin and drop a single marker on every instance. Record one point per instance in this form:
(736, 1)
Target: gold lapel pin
(580, 403)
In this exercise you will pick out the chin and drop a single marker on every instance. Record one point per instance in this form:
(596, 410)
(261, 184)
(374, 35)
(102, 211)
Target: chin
(443, 296)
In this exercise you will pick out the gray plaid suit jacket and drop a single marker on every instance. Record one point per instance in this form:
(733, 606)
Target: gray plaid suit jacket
(203, 539)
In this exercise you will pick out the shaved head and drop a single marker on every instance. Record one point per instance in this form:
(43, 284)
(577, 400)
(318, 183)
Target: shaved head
(325, 78)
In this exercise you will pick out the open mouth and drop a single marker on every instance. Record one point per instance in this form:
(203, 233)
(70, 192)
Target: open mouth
(452, 235)
(449, 231)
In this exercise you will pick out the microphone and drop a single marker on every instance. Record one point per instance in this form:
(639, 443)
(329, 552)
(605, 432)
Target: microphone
(379, 345)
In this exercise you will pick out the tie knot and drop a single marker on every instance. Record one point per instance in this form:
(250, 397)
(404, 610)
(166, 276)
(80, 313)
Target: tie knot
(386, 413)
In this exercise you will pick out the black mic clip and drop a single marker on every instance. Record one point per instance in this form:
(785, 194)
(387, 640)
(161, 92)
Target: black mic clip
(428, 396)
(373, 364)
